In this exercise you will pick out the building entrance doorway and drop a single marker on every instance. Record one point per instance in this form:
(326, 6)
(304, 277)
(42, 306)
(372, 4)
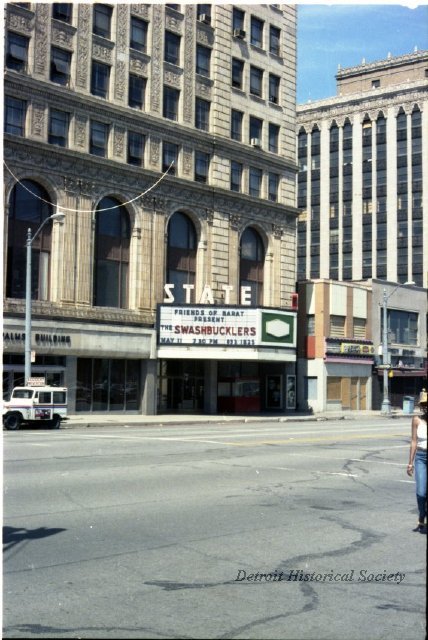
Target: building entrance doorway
(181, 386)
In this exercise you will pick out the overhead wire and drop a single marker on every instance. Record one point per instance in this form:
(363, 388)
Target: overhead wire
(123, 204)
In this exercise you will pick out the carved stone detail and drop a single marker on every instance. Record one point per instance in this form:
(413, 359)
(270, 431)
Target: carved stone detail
(80, 122)
(187, 160)
(120, 75)
(278, 231)
(141, 10)
(173, 24)
(154, 150)
(173, 78)
(136, 65)
(157, 34)
(204, 36)
(209, 216)
(119, 141)
(102, 53)
(22, 24)
(83, 45)
(122, 27)
(41, 38)
(203, 89)
(235, 221)
(77, 185)
(63, 36)
(38, 120)
(189, 64)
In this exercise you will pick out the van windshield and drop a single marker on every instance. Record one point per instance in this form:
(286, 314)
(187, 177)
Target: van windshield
(23, 393)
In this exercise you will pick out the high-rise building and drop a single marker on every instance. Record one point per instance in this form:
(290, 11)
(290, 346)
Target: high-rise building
(363, 161)
(166, 134)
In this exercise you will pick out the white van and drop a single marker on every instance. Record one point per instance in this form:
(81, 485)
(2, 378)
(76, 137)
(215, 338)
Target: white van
(35, 405)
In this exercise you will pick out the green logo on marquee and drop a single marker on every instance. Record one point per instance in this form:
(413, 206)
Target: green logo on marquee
(278, 328)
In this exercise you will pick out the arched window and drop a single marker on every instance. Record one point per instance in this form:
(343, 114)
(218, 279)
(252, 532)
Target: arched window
(252, 264)
(181, 254)
(28, 211)
(112, 237)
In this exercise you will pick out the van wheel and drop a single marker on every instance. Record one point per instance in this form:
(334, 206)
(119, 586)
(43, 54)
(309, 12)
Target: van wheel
(13, 421)
(56, 422)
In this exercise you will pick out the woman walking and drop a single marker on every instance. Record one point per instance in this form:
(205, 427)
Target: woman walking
(418, 460)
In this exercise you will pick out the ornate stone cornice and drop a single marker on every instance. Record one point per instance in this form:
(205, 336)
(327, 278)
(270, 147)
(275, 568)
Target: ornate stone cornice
(51, 310)
(347, 106)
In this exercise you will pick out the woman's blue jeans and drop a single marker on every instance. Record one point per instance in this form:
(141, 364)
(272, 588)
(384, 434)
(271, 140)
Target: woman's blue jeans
(421, 483)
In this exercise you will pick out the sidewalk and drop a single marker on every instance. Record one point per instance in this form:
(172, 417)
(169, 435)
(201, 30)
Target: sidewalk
(126, 420)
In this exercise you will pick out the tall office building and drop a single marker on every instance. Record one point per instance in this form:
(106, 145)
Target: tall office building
(363, 161)
(195, 102)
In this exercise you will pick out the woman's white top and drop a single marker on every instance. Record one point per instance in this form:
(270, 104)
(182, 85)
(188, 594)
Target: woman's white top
(422, 435)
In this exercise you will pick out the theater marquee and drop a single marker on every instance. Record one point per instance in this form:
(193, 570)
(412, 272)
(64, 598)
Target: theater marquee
(228, 326)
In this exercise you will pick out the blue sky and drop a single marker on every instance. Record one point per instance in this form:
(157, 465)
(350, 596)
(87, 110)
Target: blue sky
(344, 34)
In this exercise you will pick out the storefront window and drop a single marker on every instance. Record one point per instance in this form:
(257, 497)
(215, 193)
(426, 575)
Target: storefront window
(108, 385)
(112, 239)
(28, 209)
(252, 264)
(181, 254)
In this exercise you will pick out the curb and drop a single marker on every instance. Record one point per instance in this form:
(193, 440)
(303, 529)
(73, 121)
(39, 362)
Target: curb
(249, 420)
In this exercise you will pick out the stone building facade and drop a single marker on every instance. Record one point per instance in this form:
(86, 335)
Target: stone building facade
(363, 166)
(166, 134)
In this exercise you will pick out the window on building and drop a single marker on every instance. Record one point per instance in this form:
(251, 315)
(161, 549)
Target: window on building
(137, 91)
(256, 81)
(17, 52)
(176, 7)
(337, 326)
(102, 20)
(203, 11)
(402, 327)
(273, 183)
(274, 40)
(100, 79)
(108, 385)
(255, 182)
(256, 129)
(202, 165)
(236, 125)
(238, 19)
(135, 151)
(257, 32)
(60, 66)
(203, 58)
(111, 263)
(202, 114)
(181, 254)
(58, 128)
(170, 157)
(273, 88)
(360, 325)
(171, 99)
(273, 137)
(138, 39)
(237, 73)
(98, 139)
(62, 11)
(28, 208)
(251, 265)
(375, 84)
(172, 48)
(14, 116)
(235, 176)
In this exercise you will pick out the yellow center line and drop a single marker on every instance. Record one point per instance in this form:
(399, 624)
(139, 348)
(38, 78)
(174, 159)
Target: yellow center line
(318, 439)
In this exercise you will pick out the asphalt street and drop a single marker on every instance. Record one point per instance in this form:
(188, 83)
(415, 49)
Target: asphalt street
(261, 530)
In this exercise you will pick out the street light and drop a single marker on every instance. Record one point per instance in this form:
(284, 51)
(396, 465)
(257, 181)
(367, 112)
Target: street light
(386, 404)
(28, 243)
